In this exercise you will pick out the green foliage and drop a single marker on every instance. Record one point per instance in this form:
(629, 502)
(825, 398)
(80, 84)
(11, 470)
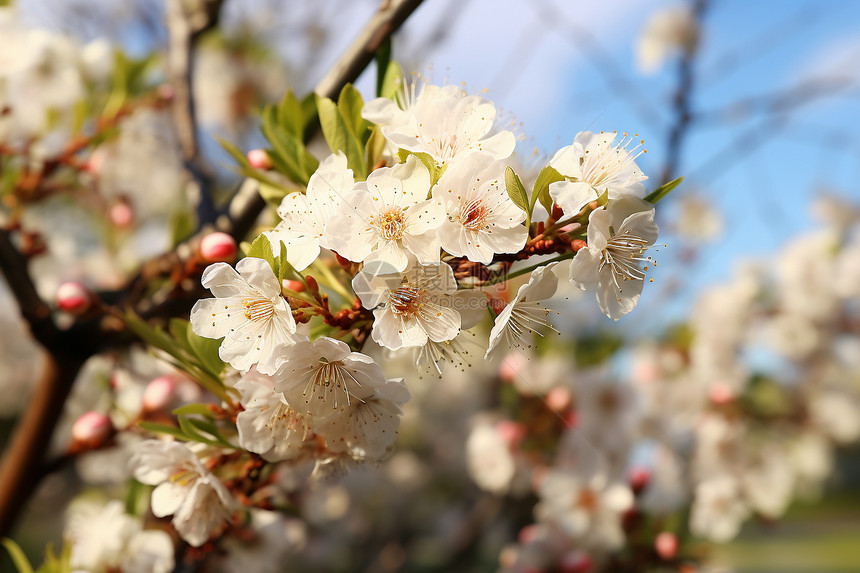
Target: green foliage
(383, 62)
(436, 171)
(283, 125)
(547, 176)
(344, 129)
(261, 248)
(596, 349)
(663, 190)
(196, 424)
(245, 167)
(53, 563)
(517, 193)
(196, 355)
(391, 81)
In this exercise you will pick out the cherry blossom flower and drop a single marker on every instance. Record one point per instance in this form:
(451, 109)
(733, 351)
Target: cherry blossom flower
(592, 165)
(718, 509)
(304, 216)
(416, 306)
(200, 504)
(248, 311)
(323, 376)
(482, 218)
(610, 264)
(105, 538)
(389, 217)
(268, 425)
(366, 429)
(525, 314)
(447, 124)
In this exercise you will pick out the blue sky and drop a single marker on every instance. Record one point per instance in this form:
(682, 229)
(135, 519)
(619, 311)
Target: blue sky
(561, 66)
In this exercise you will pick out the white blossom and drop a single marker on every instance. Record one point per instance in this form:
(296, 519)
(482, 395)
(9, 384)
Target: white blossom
(591, 166)
(447, 124)
(671, 29)
(304, 216)
(323, 376)
(482, 219)
(388, 217)
(525, 314)
(611, 264)
(416, 306)
(718, 509)
(366, 428)
(248, 311)
(105, 539)
(200, 504)
(268, 425)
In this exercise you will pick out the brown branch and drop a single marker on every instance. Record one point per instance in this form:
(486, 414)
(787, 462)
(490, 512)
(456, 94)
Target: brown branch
(183, 31)
(683, 96)
(69, 349)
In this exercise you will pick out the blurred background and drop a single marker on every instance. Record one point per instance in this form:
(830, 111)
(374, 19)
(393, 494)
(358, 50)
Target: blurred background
(756, 104)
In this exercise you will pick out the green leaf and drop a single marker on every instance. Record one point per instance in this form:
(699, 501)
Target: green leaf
(164, 429)
(136, 492)
(547, 176)
(261, 248)
(245, 167)
(288, 153)
(182, 226)
(517, 193)
(391, 81)
(291, 116)
(663, 190)
(375, 148)
(18, 557)
(201, 409)
(205, 350)
(383, 61)
(349, 104)
(283, 265)
(428, 161)
(339, 137)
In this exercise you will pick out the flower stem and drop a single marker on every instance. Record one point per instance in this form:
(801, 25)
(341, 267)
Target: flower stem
(526, 270)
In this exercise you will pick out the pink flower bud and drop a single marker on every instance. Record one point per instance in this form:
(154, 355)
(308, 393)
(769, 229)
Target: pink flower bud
(638, 478)
(217, 247)
(559, 399)
(511, 432)
(528, 533)
(92, 429)
(511, 366)
(575, 561)
(666, 545)
(73, 297)
(95, 161)
(165, 92)
(121, 215)
(295, 286)
(160, 394)
(259, 159)
(720, 394)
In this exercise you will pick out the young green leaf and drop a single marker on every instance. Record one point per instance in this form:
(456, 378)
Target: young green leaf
(517, 193)
(164, 429)
(383, 61)
(663, 190)
(261, 248)
(339, 137)
(545, 178)
(18, 557)
(350, 104)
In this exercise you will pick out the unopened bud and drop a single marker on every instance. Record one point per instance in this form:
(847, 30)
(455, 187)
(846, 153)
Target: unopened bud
(121, 215)
(217, 247)
(575, 561)
(95, 161)
(720, 394)
(578, 245)
(666, 545)
(259, 159)
(559, 399)
(557, 213)
(160, 394)
(92, 429)
(312, 284)
(165, 92)
(512, 433)
(638, 478)
(528, 533)
(295, 286)
(510, 367)
(74, 297)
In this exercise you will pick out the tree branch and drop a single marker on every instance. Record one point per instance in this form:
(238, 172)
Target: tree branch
(69, 349)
